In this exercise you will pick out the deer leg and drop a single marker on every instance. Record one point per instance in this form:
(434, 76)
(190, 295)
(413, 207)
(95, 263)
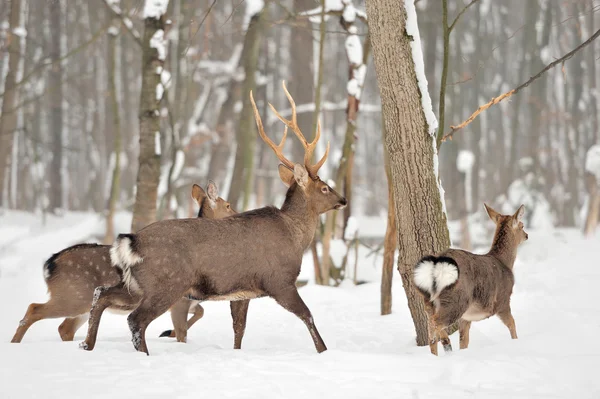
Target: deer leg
(104, 297)
(509, 321)
(444, 338)
(198, 314)
(148, 310)
(69, 327)
(179, 312)
(291, 301)
(463, 330)
(239, 311)
(431, 327)
(39, 311)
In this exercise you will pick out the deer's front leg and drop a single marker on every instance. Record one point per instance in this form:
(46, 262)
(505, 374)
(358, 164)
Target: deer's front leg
(239, 312)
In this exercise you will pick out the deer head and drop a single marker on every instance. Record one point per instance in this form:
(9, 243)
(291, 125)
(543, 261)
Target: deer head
(509, 227)
(211, 205)
(320, 197)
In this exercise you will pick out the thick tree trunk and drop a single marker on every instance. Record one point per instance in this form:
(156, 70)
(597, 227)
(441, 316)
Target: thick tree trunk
(56, 114)
(241, 179)
(389, 243)
(8, 117)
(144, 209)
(417, 199)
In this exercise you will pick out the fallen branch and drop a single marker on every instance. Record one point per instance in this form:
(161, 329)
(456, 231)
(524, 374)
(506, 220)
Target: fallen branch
(496, 100)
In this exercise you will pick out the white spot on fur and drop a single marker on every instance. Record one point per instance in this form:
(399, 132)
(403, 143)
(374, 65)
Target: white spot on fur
(70, 263)
(104, 258)
(91, 263)
(46, 273)
(123, 257)
(427, 273)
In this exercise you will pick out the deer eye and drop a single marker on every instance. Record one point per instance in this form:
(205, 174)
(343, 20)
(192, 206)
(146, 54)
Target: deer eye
(325, 189)
(228, 206)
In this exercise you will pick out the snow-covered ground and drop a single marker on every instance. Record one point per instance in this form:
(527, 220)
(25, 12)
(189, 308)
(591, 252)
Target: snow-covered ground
(555, 304)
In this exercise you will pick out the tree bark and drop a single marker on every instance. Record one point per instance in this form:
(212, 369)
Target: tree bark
(241, 179)
(8, 117)
(56, 114)
(116, 127)
(144, 209)
(417, 198)
(390, 241)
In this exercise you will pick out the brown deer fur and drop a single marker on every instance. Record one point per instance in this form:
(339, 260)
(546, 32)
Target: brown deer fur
(73, 273)
(460, 286)
(249, 255)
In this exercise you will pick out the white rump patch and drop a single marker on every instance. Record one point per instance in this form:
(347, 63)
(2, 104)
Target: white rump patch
(123, 257)
(434, 277)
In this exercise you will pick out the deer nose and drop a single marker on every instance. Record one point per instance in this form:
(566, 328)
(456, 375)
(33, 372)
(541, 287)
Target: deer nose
(342, 204)
(526, 236)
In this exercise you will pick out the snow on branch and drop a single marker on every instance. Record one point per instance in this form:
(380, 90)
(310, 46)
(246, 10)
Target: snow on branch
(253, 7)
(155, 8)
(345, 8)
(592, 161)
(115, 8)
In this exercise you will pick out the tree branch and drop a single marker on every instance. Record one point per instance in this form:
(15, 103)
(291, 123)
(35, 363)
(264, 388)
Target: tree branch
(496, 100)
(460, 14)
(125, 21)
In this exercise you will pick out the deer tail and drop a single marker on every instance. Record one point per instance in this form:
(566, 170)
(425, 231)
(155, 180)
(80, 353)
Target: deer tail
(433, 274)
(124, 255)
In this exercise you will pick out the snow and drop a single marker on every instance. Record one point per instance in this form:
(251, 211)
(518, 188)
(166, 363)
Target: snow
(157, 149)
(155, 8)
(592, 161)
(465, 161)
(369, 355)
(113, 30)
(412, 29)
(20, 31)
(253, 7)
(158, 42)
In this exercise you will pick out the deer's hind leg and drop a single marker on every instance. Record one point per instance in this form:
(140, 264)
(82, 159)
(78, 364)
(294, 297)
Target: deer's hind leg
(70, 325)
(56, 307)
(432, 329)
(464, 327)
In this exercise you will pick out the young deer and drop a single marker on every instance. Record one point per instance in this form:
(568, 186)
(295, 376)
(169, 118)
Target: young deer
(460, 286)
(249, 255)
(73, 273)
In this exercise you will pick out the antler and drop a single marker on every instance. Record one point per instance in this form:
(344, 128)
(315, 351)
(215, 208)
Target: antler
(308, 147)
(278, 149)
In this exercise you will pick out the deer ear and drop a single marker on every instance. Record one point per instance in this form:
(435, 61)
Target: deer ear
(301, 175)
(212, 191)
(495, 216)
(519, 215)
(198, 194)
(286, 175)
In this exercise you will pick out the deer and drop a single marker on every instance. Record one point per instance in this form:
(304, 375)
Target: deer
(458, 285)
(253, 254)
(72, 274)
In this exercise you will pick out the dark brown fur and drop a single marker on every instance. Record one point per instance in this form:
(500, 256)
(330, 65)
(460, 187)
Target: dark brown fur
(73, 273)
(484, 285)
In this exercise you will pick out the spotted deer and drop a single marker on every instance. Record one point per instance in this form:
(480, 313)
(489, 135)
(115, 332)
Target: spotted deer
(250, 255)
(73, 273)
(461, 286)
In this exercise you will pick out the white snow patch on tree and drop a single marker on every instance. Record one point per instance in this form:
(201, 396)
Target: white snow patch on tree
(20, 31)
(465, 161)
(592, 161)
(412, 29)
(253, 7)
(354, 48)
(157, 149)
(155, 8)
(158, 42)
(351, 228)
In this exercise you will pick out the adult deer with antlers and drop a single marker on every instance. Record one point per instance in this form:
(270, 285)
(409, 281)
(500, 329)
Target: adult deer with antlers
(73, 273)
(249, 255)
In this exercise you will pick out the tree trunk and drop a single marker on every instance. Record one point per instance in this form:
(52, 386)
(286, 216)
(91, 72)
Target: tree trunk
(56, 115)
(389, 243)
(8, 117)
(593, 211)
(241, 179)
(417, 198)
(144, 209)
(116, 173)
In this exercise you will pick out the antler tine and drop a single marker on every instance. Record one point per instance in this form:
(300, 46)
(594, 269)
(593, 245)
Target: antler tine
(293, 123)
(278, 149)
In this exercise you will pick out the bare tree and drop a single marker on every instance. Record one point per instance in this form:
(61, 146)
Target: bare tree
(8, 118)
(410, 141)
(153, 56)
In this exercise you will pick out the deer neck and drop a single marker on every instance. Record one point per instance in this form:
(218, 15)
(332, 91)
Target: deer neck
(301, 218)
(503, 247)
